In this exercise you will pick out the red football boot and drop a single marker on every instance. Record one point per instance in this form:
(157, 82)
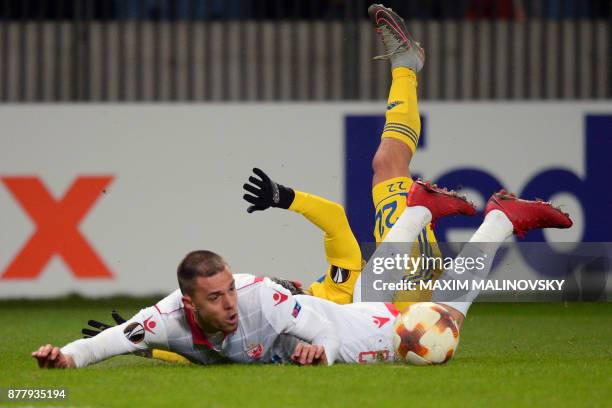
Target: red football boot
(526, 215)
(441, 202)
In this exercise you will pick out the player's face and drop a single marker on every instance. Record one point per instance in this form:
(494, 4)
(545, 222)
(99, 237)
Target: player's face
(216, 303)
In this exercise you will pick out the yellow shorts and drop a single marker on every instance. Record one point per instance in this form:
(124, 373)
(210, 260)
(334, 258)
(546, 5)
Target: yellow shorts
(337, 285)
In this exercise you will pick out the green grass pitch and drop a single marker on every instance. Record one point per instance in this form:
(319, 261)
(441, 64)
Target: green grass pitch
(509, 355)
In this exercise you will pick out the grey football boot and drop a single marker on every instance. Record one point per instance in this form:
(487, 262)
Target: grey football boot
(400, 48)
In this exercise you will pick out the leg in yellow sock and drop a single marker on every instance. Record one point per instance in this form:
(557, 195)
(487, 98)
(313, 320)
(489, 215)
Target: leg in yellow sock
(402, 129)
(392, 180)
(403, 122)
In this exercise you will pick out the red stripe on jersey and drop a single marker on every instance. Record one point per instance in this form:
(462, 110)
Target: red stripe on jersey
(199, 338)
(392, 309)
(160, 312)
(256, 280)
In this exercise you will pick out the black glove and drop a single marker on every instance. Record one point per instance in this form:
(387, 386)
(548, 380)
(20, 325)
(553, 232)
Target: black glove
(100, 327)
(266, 193)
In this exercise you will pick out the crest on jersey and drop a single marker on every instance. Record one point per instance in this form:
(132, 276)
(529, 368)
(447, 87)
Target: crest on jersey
(134, 332)
(255, 351)
(339, 275)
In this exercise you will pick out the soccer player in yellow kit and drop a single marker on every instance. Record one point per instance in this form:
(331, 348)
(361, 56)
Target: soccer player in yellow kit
(390, 183)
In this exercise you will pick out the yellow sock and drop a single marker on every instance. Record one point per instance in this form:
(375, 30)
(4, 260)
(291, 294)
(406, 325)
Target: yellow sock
(169, 356)
(403, 122)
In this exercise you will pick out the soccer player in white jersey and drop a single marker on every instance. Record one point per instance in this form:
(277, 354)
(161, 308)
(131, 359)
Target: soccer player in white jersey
(216, 316)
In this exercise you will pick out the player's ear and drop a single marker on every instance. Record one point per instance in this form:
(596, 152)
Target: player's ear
(188, 303)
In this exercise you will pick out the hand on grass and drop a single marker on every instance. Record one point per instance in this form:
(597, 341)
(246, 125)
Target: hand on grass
(309, 354)
(52, 357)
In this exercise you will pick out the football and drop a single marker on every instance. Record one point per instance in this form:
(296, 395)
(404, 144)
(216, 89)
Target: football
(425, 333)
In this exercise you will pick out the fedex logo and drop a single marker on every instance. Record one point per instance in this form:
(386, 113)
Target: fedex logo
(57, 227)
(592, 190)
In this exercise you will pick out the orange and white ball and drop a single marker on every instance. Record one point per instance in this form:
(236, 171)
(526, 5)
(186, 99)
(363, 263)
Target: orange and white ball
(425, 333)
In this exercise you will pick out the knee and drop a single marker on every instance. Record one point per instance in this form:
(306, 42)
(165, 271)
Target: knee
(380, 162)
(389, 162)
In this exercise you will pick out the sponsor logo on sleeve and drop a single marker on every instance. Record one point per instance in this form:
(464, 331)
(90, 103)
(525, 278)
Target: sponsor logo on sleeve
(134, 332)
(149, 324)
(296, 309)
(279, 297)
(339, 275)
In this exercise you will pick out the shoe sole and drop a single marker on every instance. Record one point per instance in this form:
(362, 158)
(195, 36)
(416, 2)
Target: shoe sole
(433, 188)
(394, 22)
(500, 197)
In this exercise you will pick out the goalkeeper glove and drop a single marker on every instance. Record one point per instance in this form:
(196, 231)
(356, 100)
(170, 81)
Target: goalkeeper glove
(265, 193)
(100, 327)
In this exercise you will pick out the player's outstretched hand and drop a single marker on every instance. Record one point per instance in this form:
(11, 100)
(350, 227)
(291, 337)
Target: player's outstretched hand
(265, 193)
(100, 326)
(309, 354)
(51, 357)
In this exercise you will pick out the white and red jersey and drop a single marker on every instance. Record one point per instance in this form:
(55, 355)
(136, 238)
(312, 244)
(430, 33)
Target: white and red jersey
(270, 322)
(365, 329)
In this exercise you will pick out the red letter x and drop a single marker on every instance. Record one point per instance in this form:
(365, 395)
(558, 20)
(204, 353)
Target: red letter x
(57, 227)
